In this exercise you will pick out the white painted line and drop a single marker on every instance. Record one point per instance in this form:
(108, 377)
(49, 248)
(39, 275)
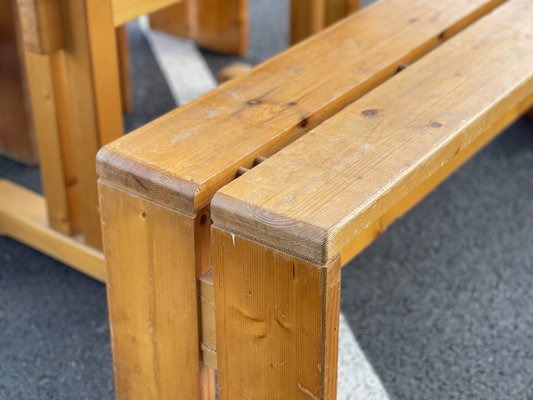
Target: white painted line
(357, 378)
(187, 74)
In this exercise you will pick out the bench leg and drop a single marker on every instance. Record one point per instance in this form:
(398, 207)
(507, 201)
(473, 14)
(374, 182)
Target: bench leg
(152, 296)
(311, 16)
(277, 322)
(218, 25)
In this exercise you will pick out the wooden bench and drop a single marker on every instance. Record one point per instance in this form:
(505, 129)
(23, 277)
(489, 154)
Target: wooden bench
(283, 231)
(156, 187)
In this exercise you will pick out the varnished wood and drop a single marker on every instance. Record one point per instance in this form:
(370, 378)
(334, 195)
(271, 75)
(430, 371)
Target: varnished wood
(277, 322)
(180, 19)
(309, 17)
(152, 296)
(278, 101)
(126, 94)
(16, 129)
(23, 218)
(223, 25)
(92, 73)
(50, 110)
(233, 71)
(42, 26)
(127, 10)
(207, 321)
(333, 190)
(339, 9)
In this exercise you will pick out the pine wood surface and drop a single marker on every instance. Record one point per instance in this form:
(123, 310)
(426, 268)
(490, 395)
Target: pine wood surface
(277, 322)
(315, 197)
(278, 101)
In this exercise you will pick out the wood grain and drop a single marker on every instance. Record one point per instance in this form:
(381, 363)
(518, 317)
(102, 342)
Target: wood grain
(23, 218)
(277, 322)
(42, 27)
(126, 95)
(317, 196)
(308, 17)
(180, 19)
(127, 10)
(16, 130)
(278, 101)
(51, 115)
(152, 296)
(93, 81)
(223, 25)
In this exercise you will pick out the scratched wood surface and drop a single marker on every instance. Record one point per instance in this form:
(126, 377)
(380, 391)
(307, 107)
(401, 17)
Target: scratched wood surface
(277, 322)
(317, 196)
(182, 158)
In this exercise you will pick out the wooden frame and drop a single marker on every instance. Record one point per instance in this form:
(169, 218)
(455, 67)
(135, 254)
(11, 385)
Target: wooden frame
(156, 209)
(73, 63)
(280, 235)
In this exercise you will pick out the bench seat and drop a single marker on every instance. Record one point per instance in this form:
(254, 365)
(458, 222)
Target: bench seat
(283, 230)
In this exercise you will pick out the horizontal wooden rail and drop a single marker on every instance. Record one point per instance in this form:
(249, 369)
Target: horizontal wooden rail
(279, 101)
(23, 218)
(127, 10)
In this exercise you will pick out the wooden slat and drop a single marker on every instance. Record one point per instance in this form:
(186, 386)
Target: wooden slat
(339, 9)
(41, 24)
(181, 159)
(16, 130)
(50, 113)
(315, 198)
(179, 19)
(277, 322)
(127, 10)
(218, 25)
(152, 296)
(223, 25)
(309, 17)
(23, 218)
(94, 97)
(126, 94)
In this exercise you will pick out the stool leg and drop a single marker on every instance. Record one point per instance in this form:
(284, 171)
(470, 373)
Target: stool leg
(277, 322)
(152, 297)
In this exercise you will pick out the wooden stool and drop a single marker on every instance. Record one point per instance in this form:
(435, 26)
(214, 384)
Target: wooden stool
(156, 187)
